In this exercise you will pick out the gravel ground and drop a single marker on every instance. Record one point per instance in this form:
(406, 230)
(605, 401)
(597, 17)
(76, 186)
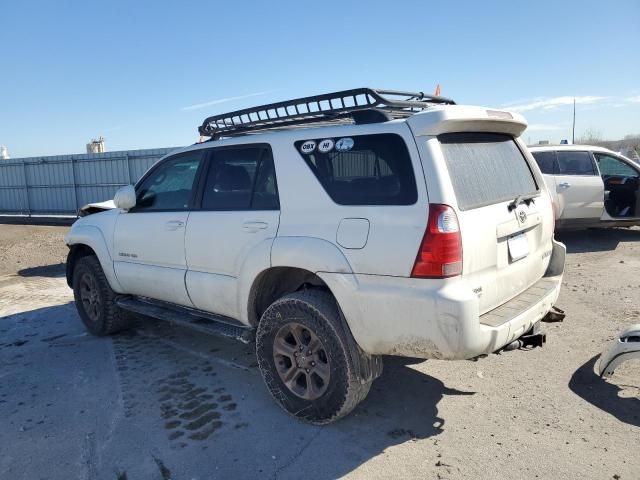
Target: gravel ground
(164, 403)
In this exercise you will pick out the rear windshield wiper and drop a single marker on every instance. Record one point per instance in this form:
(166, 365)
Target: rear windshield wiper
(520, 199)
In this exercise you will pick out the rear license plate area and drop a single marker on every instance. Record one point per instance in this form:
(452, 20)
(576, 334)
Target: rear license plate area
(518, 247)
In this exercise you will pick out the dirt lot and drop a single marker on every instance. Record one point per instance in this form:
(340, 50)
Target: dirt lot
(164, 403)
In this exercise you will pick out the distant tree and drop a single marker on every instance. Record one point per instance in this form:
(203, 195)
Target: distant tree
(591, 136)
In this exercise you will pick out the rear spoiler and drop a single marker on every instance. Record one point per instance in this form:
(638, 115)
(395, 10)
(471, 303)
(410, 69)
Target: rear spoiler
(462, 118)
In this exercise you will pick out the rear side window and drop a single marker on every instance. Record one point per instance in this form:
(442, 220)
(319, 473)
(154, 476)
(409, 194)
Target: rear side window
(486, 168)
(546, 161)
(363, 169)
(241, 178)
(575, 163)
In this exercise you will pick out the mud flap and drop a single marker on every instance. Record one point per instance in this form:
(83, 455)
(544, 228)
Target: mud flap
(554, 315)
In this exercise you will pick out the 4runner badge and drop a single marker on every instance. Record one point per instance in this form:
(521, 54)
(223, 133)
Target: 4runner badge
(325, 145)
(308, 147)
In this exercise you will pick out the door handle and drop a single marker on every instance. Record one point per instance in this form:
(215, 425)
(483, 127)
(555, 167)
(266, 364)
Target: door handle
(254, 226)
(174, 225)
(564, 185)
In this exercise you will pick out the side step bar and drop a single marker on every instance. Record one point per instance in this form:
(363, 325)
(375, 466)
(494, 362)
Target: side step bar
(188, 318)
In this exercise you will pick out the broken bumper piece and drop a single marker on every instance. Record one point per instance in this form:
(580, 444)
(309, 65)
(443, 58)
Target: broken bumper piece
(625, 347)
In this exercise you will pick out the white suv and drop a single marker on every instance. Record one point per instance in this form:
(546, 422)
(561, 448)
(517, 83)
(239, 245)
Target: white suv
(395, 224)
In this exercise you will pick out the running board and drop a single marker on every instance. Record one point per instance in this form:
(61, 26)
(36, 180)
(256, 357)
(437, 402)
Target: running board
(188, 318)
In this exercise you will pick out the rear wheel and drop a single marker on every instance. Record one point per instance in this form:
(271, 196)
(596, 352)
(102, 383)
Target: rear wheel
(95, 300)
(306, 357)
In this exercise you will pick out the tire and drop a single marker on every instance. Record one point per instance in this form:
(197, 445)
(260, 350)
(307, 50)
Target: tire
(95, 300)
(307, 396)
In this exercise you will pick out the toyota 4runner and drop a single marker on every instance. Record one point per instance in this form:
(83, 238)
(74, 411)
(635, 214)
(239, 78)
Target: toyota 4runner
(395, 223)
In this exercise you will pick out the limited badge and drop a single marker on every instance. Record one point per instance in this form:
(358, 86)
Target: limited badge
(344, 144)
(326, 145)
(308, 147)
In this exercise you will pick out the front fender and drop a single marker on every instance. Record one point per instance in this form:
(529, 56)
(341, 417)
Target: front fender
(92, 237)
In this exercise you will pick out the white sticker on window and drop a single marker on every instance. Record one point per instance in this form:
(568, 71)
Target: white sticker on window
(325, 145)
(344, 144)
(308, 147)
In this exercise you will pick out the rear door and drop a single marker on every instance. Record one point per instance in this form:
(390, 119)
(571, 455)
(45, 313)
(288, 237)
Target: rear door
(579, 188)
(235, 223)
(505, 246)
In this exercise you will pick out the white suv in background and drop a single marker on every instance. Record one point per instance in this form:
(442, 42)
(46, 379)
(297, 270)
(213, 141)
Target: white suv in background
(591, 186)
(394, 224)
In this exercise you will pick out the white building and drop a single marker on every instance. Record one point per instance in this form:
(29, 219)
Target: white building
(4, 153)
(96, 145)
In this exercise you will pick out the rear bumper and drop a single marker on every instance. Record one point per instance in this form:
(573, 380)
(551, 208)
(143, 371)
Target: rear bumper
(438, 319)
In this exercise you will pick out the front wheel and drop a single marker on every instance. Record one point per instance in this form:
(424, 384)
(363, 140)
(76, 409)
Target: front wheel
(95, 300)
(306, 359)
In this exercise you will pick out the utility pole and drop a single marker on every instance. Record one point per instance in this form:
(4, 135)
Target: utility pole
(573, 135)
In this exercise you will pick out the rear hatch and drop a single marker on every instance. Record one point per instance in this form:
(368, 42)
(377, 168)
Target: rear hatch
(504, 215)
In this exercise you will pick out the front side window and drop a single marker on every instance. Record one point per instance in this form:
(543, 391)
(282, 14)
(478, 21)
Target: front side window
(241, 178)
(362, 169)
(612, 167)
(575, 163)
(486, 168)
(170, 185)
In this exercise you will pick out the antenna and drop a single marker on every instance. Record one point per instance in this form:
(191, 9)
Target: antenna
(573, 135)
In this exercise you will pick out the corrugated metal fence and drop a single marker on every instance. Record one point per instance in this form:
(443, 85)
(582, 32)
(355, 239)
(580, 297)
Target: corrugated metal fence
(61, 184)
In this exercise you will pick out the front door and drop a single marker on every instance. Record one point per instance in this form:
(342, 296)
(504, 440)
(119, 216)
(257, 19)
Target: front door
(149, 256)
(233, 230)
(579, 188)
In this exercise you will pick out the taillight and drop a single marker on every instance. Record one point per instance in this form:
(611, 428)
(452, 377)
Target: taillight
(440, 253)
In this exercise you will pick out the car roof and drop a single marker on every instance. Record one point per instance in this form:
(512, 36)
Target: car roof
(571, 148)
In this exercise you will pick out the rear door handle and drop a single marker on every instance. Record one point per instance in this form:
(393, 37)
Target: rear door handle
(254, 226)
(564, 185)
(174, 225)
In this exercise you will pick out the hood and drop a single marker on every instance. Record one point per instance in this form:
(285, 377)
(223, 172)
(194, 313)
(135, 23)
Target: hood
(91, 208)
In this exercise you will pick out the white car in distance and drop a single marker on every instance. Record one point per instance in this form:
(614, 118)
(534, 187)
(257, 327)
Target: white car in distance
(591, 186)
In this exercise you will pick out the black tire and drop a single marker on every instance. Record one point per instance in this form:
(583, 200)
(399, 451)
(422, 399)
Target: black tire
(317, 311)
(106, 318)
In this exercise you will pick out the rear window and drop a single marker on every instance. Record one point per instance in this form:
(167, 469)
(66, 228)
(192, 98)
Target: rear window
(486, 168)
(363, 169)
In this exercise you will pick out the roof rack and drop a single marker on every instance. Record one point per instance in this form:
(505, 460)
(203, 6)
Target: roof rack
(359, 105)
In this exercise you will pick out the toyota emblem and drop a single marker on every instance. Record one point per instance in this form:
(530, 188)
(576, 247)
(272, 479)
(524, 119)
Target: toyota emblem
(522, 215)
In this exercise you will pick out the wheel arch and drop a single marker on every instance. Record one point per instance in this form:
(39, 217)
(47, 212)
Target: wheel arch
(275, 282)
(88, 239)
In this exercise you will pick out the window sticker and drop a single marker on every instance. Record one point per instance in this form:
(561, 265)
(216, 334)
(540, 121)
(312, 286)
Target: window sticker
(344, 144)
(325, 145)
(308, 147)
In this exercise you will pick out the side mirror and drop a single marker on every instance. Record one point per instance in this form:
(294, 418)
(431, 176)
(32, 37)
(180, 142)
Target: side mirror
(125, 198)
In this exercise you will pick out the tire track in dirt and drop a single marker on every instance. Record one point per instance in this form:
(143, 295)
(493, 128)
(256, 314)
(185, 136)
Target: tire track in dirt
(191, 402)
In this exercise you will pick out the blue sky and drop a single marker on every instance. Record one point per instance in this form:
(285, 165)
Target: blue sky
(145, 74)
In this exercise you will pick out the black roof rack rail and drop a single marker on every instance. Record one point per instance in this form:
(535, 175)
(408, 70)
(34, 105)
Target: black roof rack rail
(336, 107)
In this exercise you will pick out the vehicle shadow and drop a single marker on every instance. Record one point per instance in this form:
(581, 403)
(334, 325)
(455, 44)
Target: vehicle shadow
(51, 271)
(597, 239)
(402, 406)
(588, 385)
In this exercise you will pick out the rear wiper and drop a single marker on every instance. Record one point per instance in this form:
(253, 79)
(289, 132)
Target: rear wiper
(520, 199)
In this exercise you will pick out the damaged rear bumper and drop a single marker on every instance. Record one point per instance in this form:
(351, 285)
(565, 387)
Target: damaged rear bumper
(397, 316)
